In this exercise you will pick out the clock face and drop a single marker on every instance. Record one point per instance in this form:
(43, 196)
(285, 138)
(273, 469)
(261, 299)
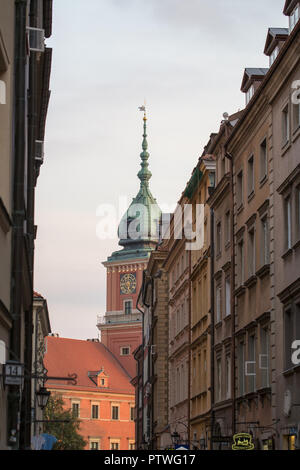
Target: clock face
(128, 284)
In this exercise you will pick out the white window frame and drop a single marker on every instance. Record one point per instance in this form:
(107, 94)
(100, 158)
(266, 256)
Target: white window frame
(294, 18)
(96, 441)
(121, 351)
(249, 94)
(274, 55)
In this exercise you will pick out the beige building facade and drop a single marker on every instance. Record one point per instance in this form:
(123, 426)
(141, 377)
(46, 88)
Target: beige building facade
(7, 19)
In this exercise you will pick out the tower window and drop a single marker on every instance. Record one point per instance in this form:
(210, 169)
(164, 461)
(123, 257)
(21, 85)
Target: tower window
(128, 307)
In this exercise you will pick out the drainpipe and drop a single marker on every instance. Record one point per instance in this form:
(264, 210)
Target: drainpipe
(212, 325)
(18, 216)
(32, 136)
(233, 371)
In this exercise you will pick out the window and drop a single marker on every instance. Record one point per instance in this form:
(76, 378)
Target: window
(128, 307)
(298, 210)
(241, 261)
(251, 369)
(227, 296)
(228, 376)
(249, 94)
(273, 55)
(95, 411)
(288, 337)
(251, 252)
(218, 235)
(227, 228)
(264, 241)
(250, 175)
(263, 160)
(288, 223)
(239, 189)
(264, 357)
(75, 410)
(132, 413)
(285, 125)
(219, 380)
(241, 368)
(114, 445)
(131, 446)
(294, 17)
(218, 303)
(125, 351)
(115, 412)
(296, 116)
(94, 445)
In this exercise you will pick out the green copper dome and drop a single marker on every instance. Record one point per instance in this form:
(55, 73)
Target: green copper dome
(139, 227)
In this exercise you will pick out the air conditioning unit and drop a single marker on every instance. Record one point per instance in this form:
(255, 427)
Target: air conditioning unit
(39, 151)
(36, 38)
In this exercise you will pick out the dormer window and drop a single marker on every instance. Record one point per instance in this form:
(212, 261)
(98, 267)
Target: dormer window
(294, 17)
(274, 55)
(251, 81)
(249, 94)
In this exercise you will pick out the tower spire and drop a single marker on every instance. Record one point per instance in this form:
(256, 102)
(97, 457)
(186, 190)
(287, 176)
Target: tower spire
(144, 174)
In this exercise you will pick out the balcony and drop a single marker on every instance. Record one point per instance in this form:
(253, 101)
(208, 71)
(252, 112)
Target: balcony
(118, 318)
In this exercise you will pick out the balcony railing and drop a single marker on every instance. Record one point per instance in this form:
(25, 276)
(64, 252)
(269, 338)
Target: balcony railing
(118, 318)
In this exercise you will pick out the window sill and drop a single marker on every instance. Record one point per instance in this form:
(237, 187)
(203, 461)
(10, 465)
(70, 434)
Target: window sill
(251, 196)
(251, 281)
(240, 208)
(263, 181)
(287, 254)
(296, 133)
(263, 271)
(227, 246)
(227, 318)
(285, 148)
(218, 325)
(240, 291)
(297, 244)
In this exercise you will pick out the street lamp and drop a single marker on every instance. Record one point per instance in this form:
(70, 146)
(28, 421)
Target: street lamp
(42, 397)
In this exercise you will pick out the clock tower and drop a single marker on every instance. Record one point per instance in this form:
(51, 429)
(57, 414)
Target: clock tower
(138, 232)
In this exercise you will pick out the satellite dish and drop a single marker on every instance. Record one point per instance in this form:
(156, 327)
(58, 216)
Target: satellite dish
(287, 403)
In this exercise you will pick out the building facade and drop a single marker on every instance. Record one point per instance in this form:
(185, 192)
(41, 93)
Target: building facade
(103, 398)
(265, 155)
(25, 65)
(201, 374)
(220, 203)
(177, 266)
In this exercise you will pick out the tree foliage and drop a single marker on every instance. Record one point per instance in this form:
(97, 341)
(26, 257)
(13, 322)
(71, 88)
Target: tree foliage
(66, 433)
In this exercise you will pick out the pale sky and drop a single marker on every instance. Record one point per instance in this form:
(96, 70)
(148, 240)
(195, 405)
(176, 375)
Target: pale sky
(186, 58)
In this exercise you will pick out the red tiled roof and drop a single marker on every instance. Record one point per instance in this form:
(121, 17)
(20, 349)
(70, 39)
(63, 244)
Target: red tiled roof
(67, 356)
